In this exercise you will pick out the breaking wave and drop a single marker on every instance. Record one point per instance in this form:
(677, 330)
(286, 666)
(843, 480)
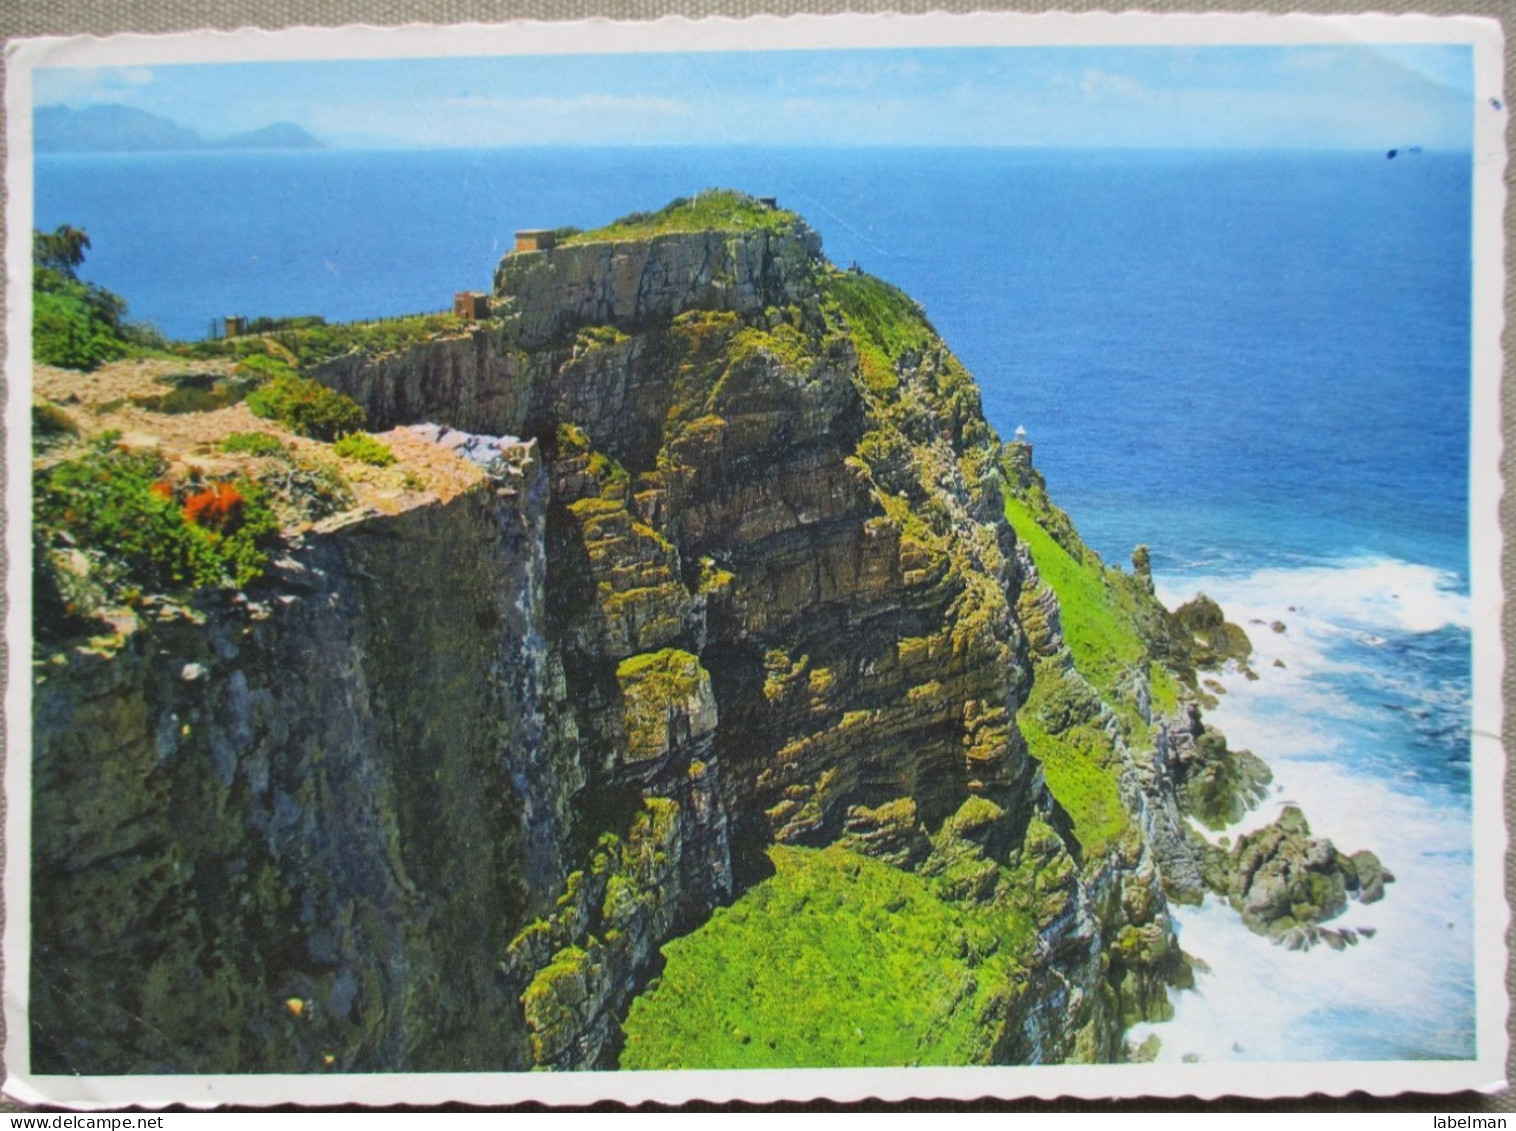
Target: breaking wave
(1361, 706)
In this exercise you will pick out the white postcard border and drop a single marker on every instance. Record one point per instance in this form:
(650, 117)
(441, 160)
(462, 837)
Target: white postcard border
(807, 32)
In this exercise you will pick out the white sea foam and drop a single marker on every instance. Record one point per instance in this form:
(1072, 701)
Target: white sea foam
(1406, 992)
(1356, 593)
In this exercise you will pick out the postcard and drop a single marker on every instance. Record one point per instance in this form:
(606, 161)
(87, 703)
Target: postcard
(766, 559)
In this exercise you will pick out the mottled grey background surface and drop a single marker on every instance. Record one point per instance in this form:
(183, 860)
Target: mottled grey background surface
(19, 18)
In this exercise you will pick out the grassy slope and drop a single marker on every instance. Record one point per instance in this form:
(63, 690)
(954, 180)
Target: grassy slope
(1077, 759)
(1097, 626)
(884, 322)
(1102, 635)
(835, 960)
(1116, 633)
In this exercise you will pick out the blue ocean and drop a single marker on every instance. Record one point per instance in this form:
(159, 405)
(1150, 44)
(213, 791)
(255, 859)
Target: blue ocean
(1256, 363)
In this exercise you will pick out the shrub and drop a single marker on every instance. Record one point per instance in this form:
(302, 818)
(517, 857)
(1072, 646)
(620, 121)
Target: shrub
(311, 345)
(249, 527)
(266, 325)
(316, 488)
(69, 332)
(307, 407)
(712, 210)
(50, 422)
(364, 448)
(117, 505)
(264, 366)
(252, 444)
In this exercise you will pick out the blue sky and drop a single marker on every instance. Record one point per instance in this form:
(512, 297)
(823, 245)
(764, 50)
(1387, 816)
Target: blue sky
(1235, 97)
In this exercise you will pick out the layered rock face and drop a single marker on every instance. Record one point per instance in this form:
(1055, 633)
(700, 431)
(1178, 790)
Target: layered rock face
(434, 795)
(265, 825)
(638, 284)
(732, 514)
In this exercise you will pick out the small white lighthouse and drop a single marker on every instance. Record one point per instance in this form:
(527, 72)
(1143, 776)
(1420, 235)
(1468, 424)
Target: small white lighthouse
(1018, 459)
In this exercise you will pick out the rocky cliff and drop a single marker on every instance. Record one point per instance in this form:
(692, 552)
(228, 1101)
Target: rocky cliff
(440, 789)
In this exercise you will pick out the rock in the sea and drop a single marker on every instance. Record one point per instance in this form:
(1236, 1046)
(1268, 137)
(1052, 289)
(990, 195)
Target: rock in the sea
(1216, 639)
(1286, 882)
(1215, 784)
(1370, 876)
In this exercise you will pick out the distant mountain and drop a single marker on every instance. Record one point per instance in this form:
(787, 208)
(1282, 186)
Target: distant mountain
(280, 135)
(122, 129)
(107, 129)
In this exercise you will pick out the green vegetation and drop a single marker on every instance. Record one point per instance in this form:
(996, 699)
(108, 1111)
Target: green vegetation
(234, 349)
(603, 907)
(116, 504)
(315, 344)
(913, 383)
(1076, 755)
(266, 325)
(252, 444)
(834, 960)
(307, 407)
(1099, 630)
(265, 367)
(1165, 689)
(365, 449)
(721, 210)
(653, 685)
(885, 322)
(598, 337)
(313, 487)
(784, 343)
(49, 422)
(61, 250)
(77, 325)
(1104, 628)
(309, 340)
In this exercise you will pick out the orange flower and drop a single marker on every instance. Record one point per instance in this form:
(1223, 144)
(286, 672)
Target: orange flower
(218, 507)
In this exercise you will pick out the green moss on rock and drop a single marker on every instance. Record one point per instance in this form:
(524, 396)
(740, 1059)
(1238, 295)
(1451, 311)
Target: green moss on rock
(720, 210)
(834, 960)
(666, 698)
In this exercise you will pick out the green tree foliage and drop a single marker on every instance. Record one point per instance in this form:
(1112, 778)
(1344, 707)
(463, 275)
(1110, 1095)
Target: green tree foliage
(75, 324)
(60, 250)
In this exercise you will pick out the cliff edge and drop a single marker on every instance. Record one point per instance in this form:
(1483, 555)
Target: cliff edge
(701, 683)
